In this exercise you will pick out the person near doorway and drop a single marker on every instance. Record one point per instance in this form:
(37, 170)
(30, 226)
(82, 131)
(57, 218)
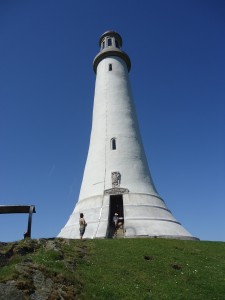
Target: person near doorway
(115, 222)
(83, 225)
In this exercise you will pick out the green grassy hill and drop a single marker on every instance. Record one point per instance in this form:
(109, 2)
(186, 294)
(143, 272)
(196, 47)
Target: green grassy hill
(54, 269)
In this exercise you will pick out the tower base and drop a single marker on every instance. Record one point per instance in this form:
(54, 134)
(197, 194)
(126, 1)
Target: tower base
(140, 216)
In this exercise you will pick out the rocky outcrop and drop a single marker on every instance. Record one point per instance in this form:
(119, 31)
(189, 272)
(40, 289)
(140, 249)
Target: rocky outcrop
(40, 270)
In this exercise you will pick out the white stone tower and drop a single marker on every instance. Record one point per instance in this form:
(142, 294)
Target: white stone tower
(116, 177)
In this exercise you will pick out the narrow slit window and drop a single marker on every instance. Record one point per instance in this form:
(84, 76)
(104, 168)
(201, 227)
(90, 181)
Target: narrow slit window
(110, 67)
(113, 144)
(117, 44)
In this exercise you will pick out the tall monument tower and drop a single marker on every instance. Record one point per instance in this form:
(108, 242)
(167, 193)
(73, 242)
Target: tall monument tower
(116, 177)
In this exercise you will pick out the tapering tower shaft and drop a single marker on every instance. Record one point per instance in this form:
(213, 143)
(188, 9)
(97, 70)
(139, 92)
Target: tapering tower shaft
(116, 176)
(115, 143)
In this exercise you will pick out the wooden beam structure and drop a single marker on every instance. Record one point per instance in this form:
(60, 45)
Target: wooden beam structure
(18, 209)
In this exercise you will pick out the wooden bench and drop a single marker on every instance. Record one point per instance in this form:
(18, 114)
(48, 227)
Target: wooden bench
(18, 209)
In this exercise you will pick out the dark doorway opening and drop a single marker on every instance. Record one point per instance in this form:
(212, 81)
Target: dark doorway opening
(115, 206)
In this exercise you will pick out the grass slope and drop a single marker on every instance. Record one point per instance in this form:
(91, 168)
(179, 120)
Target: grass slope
(123, 268)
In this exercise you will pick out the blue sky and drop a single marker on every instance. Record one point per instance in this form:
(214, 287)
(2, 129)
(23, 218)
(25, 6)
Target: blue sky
(46, 97)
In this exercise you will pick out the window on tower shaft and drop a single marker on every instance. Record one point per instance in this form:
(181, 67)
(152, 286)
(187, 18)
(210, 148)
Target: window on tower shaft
(110, 67)
(113, 144)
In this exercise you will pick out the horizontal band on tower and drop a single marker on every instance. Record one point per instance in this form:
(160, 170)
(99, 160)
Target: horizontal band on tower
(112, 52)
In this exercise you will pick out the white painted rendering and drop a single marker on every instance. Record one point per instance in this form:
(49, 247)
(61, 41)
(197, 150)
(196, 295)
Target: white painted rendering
(114, 117)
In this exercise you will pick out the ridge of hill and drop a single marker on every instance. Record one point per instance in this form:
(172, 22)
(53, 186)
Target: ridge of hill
(52, 269)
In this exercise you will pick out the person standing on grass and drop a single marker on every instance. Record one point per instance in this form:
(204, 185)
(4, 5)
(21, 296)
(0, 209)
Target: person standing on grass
(83, 225)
